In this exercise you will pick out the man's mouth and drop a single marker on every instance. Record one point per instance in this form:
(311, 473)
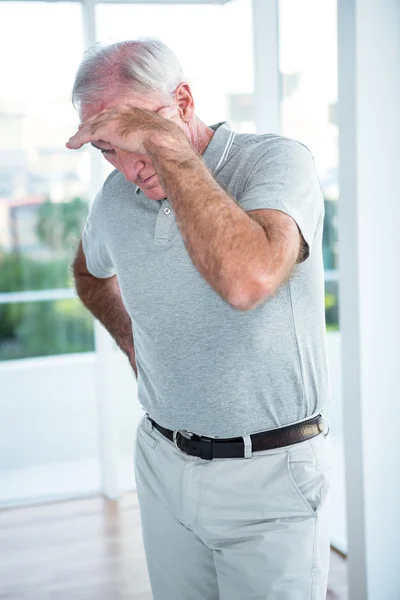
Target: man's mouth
(149, 178)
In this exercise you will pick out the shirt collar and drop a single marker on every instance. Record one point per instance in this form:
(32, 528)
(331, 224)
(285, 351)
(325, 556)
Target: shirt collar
(218, 148)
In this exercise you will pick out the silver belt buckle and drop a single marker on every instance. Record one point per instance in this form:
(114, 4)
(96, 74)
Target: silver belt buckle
(185, 434)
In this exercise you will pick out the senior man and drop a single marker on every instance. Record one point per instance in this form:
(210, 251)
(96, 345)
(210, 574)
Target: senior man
(202, 257)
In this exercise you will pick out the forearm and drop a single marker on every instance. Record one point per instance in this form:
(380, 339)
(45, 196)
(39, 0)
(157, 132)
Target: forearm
(103, 298)
(228, 248)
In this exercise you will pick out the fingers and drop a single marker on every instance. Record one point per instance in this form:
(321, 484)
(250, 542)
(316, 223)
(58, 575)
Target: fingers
(89, 131)
(78, 140)
(112, 125)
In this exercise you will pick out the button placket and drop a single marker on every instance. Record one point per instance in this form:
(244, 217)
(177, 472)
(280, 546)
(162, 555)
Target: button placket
(164, 225)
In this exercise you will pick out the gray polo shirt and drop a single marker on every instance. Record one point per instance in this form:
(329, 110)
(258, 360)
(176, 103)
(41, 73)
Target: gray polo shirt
(204, 366)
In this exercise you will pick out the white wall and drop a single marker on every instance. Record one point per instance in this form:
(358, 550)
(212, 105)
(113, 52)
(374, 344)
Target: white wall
(49, 442)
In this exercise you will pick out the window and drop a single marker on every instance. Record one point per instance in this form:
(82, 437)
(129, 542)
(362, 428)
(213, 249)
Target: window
(43, 185)
(308, 66)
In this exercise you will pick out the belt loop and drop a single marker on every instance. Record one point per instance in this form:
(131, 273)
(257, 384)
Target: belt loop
(248, 453)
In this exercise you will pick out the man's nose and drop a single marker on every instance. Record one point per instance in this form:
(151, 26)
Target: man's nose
(131, 164)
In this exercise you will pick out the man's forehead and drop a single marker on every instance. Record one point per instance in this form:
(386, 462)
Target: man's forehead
(145, 102)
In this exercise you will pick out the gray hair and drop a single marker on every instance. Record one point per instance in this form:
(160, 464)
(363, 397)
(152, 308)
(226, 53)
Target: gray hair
(144, 66)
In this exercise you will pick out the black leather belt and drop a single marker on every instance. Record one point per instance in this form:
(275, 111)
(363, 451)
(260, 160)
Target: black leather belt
(209, 448)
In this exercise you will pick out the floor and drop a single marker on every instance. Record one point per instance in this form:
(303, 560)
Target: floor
(87, 550)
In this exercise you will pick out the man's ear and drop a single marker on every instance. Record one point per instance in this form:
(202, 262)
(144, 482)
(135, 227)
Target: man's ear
(185, 102)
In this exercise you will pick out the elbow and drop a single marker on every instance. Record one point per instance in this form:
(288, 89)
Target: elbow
(247, 294)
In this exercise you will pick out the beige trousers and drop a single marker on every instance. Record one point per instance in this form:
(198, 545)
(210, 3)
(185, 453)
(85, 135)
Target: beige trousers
(234, 529)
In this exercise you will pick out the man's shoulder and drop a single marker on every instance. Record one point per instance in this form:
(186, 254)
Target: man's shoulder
(268, 152)
(116, 188)
(115, 179)
(266, 143)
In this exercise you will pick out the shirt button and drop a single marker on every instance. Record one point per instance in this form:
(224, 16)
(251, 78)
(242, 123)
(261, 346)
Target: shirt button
(167, 211)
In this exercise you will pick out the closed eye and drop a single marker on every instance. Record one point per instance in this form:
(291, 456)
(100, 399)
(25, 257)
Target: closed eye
(102, 150)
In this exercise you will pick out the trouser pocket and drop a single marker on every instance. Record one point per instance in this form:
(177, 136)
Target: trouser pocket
(308, 468)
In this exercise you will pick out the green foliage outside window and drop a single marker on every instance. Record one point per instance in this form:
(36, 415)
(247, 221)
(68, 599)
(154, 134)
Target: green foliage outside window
(331, 306)
(59, 224)
(44, 328)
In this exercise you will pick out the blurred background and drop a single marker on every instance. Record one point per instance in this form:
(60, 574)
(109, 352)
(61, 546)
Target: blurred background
(68, 403)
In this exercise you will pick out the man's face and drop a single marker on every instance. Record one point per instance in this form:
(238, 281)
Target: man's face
(137, 168)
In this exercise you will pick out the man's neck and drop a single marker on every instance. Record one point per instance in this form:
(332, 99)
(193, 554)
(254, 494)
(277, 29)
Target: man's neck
(200, 135)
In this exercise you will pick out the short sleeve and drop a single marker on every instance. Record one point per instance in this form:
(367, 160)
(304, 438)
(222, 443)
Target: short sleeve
(282, 176)
(98, 259)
